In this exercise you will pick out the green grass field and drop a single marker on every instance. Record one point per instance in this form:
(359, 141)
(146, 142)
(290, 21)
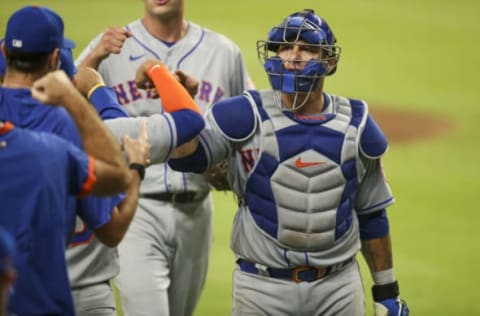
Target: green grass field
(420, 55)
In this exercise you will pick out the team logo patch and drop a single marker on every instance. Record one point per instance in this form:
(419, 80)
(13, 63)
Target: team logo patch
(136, 57)
(17, 43)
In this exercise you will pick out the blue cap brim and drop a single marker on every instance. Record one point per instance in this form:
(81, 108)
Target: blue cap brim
(68, 43)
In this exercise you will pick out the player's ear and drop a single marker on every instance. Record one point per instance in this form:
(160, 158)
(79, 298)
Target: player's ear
(3, 50)
(54, 59)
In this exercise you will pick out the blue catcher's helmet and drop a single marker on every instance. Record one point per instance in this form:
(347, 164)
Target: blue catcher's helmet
(314, 32)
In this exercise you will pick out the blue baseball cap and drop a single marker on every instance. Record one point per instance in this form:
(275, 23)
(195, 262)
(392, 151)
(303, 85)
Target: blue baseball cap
(7, 248)
(66, 62)
(35, 29)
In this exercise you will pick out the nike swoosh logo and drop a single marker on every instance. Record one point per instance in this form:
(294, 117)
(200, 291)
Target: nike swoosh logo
(302, 164)
(133, 58)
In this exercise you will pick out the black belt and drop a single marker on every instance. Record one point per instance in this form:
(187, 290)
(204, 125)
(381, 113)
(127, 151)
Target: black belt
(180, 197)
(297, 274)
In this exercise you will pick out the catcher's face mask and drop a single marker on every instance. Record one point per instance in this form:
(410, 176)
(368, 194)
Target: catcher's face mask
(302, 31)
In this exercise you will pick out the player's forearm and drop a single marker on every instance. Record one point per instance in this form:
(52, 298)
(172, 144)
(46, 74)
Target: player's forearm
(378, 253)
(186, 149)
(194, 162)
(97, 140)
(113, 232)
(91, 60)
(385, 291)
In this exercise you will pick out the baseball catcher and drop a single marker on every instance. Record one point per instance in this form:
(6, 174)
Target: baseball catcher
(306, 168)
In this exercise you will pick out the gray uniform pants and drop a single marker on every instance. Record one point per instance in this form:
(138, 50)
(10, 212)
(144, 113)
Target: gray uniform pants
(97, 299)
(338, 294)
(164, 257)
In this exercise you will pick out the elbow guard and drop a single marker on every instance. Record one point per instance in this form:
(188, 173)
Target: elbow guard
(196, 162)
(188, 124)
(373, 225)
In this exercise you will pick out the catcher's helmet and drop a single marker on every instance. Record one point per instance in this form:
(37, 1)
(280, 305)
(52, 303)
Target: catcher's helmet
(314, 31)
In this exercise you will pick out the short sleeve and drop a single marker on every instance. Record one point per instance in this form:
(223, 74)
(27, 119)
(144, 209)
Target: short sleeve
(374, 192)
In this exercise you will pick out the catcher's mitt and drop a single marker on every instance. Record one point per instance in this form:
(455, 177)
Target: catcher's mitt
(217, 176)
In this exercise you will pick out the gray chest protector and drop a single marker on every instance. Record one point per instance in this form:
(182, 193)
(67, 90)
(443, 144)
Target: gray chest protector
(302, 189)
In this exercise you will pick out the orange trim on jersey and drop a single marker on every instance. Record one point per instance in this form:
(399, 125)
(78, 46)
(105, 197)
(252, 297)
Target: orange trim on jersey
(174, 96)
(6, 127)
(91, 178)
(84, 242)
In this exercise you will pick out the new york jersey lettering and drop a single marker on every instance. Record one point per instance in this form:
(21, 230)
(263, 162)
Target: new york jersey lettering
(248, 160)
(128, 92)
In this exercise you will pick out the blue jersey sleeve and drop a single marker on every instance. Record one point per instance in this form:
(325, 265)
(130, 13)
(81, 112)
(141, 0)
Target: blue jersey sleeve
(188, 124)
(106, 103)
(96, 211)
(373, 225)
(196, 162)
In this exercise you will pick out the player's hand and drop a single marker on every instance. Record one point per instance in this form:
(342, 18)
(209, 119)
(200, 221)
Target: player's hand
(111, 43)
(190, 83)
(53, 88)
(87, 78)
(138, 149)
(390, 307)
(143, 81)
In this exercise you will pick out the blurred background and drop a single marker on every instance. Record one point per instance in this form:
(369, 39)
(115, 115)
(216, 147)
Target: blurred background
(419, 56)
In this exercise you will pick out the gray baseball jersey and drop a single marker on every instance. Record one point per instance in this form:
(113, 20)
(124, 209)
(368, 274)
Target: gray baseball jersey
(164, 255)
(299, 180)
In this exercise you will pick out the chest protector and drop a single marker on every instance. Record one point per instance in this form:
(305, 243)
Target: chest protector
(302, 189)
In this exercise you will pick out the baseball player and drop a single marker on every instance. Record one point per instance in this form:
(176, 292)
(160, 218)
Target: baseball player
(27, 60)
(92, 265)
(53, 170)
(164, 256)
(31, 54)
(7, 271)
(305, 166)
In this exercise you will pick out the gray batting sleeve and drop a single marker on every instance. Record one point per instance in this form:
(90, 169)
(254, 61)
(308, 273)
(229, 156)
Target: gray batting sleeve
(161, 129)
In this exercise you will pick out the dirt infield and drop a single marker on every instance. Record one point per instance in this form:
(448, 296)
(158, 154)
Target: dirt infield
(408, 126)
